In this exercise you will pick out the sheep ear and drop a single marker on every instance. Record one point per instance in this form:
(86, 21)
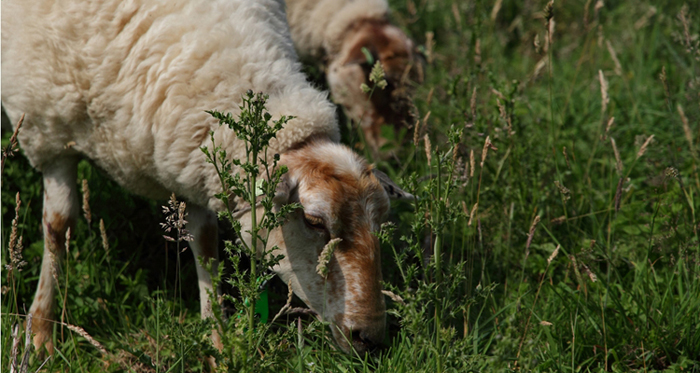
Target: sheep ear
(392, 190)
(284, 190)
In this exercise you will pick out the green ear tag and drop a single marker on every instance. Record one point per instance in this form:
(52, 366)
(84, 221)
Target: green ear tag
(262, 308)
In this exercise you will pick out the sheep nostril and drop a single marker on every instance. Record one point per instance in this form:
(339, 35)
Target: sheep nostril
(361, 343)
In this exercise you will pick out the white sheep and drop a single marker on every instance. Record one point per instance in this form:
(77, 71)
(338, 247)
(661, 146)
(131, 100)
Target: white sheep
(335, 32)
(126, 84)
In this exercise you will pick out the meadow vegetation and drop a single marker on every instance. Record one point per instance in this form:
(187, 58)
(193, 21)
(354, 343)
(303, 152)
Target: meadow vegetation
(557, 226)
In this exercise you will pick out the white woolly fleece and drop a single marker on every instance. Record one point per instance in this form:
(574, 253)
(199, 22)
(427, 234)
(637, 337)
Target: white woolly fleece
(317, 26)
(126, 83)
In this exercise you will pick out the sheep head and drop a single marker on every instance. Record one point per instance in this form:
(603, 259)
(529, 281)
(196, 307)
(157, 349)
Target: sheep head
(366, 42)
(343, 198)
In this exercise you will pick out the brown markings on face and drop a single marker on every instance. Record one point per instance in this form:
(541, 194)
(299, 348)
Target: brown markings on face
(356, 204)
(395, 51)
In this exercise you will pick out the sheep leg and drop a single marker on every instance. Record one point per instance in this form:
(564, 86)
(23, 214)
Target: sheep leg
(203, 226)
(60, 213)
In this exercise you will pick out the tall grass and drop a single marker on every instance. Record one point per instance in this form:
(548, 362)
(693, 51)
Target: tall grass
(569, 243)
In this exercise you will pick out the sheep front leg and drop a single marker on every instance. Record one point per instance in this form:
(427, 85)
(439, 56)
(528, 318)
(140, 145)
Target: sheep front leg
(60, 213)
(205, 247)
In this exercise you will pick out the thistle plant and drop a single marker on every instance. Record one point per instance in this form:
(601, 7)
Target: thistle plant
(252, 181)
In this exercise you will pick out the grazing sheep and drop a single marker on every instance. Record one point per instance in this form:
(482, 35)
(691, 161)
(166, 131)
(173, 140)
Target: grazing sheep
(336, 31)
(126, 84)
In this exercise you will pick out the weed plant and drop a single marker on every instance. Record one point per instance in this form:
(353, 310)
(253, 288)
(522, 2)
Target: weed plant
(555, 229)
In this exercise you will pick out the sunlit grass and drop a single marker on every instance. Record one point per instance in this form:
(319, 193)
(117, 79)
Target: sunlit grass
(622, 293)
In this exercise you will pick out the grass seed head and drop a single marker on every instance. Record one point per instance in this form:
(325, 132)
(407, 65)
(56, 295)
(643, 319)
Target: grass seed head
(473, 213)
(604, 99)
(549, 11)
(103, 234)
(554, 255)
(618, 161)
(566, 193)
(588, 273)
(644, 146)
(68, 240)
(416, 133)
(472, 164)
(87, 337)
(86, 202)
(377, 75)
(394, 297)
(429, 44)
(611, 121)
(472, 104)
(325, 257)
(566, 157)
(175, 219)
(533, 226)
(15, 244)
(618, 194)
(428, 150)
(613, 55)
(686, 126)
(485, 150)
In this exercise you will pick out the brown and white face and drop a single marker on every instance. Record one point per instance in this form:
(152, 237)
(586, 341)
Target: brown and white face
(341, 198)
(349, 68)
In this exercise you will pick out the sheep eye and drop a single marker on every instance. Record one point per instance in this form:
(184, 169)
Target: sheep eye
(314, 222)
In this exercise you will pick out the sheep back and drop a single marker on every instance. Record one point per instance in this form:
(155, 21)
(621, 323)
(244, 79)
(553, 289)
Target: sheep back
(126, 84)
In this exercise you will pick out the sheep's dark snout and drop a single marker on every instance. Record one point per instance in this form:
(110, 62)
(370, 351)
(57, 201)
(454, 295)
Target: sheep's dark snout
(366, 341)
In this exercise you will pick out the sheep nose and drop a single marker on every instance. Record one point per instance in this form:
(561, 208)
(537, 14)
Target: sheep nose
(365, 341)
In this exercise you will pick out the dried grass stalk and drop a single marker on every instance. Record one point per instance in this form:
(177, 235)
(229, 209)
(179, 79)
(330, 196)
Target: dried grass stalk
(566, 158)
(566, 193)
(485, 150)
(428, 150)
(103, 234)
(15, 245)
(288, 305)
(613, 55)
(416, 133)
(473, 213)
(394, 297)
(86, 202)
(24, 365)
(554, 255)
(686, 126)
(15, 348)
(644, 146)
(618, 194)
(325, 257)
(611, 121)
(87, 337)
(472, 104)
(10, 150)
(472, 164)
(590, 274)
(533, 227)
(603, 92)
(618, 161)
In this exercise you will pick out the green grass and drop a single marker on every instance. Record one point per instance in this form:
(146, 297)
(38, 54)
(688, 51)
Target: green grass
(623, 293)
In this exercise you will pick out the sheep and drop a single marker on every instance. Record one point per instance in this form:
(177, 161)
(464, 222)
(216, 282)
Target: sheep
(125, 84)
(336, 32)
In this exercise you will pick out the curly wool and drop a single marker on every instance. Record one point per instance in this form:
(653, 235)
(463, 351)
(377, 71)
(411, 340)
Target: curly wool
(126, 84)
(317, 26)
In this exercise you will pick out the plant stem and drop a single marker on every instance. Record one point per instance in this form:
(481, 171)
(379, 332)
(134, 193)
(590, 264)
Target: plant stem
(253, 246)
